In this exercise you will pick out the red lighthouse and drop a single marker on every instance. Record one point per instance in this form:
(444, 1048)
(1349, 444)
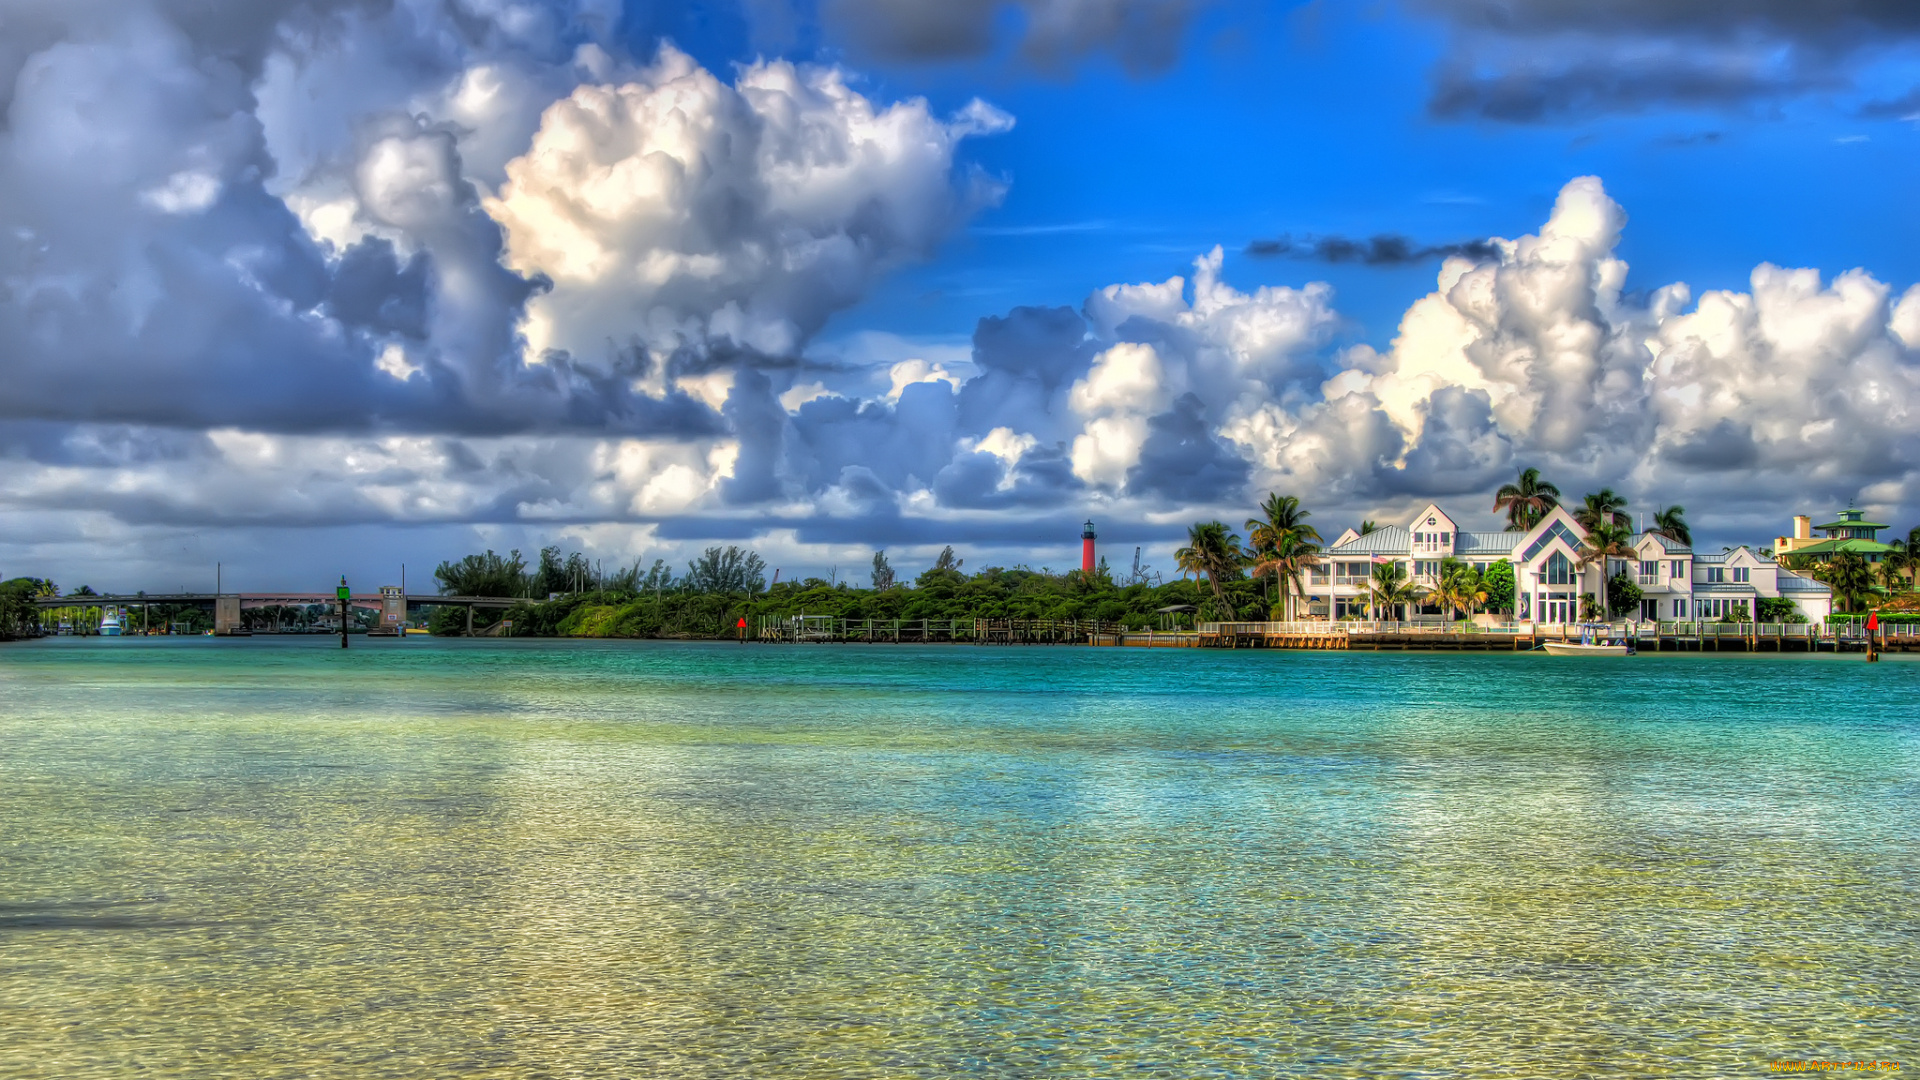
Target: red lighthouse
(1086, 548)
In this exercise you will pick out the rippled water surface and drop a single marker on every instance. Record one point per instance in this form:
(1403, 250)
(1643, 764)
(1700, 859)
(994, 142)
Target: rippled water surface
(270, 858)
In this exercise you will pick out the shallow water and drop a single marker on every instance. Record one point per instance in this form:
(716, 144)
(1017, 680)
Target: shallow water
(270, 858)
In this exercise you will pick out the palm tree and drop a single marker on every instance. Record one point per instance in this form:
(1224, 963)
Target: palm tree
(1527, 501)
(1600, 508)
(1892, 569)
(1850, 579)
(1283, 544)
(1672, 524)
(1461, 589)
(1604, 543)
(1370, 526)
(1282, 515)
(1900, 562)
(1288, 563)
(1389, 588)
(1215, 551)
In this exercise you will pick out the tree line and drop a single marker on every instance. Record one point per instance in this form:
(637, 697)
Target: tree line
(1222, 578)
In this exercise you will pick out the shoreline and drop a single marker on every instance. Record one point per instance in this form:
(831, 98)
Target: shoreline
(1428, 644)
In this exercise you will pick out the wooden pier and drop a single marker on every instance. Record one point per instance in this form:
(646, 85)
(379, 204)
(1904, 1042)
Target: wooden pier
(1525, 637)
(821, 629)
(1346, 636)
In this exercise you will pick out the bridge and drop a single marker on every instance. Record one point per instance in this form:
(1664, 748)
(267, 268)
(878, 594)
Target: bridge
(391, 603)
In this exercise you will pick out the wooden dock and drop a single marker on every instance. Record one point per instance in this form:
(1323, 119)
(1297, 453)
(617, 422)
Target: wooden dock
(1345, 636)
(1525, 637)
(822, 629)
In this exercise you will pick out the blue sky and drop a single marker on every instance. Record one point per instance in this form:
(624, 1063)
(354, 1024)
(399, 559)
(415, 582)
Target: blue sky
(1314, 119)
(313, 276)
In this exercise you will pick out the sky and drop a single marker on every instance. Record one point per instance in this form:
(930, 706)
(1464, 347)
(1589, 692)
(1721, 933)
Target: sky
(305, 288)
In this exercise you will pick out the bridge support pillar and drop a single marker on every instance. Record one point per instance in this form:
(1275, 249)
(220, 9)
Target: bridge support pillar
(469, 620)
(226, 615)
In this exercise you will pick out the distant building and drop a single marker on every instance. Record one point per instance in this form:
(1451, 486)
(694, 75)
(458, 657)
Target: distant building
(1675, 582)
(1850, 533)
(393, 608)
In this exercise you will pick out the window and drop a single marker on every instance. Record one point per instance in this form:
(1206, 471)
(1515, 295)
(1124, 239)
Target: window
(1740, 574)
(1716, 575)
(1559, 570)
(1649, 571)
(1554, 528)
(1317, 574)
(1445, 539)
(1678, 570)
(1679, 609)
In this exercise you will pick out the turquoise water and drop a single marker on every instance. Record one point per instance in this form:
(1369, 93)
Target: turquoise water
(270, 858)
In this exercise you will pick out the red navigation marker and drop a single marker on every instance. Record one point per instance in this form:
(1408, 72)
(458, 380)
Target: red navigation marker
(742, 624)
(1873, 620)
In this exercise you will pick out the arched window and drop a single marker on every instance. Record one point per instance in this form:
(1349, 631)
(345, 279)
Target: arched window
(1559, 570)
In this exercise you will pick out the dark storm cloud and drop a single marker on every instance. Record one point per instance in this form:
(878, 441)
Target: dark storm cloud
(1385, 249)
(106, 446)
(1143, 35)
(1538, 91)
(909, 441)
(979, 481)
(234, 33)
(1460, 448)
(1829, 23)
(1724, 446)
(1182, 462)
(153, 278)
(1904, 107)
(1531, 61)
(882, 530)
(1027, 360)
(372, 290)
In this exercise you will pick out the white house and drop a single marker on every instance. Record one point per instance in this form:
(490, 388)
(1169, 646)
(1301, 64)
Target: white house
(1675, 582)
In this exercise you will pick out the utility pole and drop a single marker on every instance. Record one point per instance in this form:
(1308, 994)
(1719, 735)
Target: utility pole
(343, 594)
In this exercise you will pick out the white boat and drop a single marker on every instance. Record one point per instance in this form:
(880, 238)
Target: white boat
(110, 624)
(1576, 648)
(1593, 642)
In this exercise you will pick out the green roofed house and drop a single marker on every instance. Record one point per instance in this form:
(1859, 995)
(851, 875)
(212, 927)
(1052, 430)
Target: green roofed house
(1850, 533)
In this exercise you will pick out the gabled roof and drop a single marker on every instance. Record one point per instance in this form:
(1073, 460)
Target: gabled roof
(1388, 540)
(1667, 543)
(1557, 525)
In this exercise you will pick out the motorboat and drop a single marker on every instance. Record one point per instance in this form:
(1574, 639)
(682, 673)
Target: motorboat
(110, 624)
(1593, 642)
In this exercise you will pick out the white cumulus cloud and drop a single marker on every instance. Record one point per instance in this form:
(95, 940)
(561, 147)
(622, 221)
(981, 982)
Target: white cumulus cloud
(674, 209)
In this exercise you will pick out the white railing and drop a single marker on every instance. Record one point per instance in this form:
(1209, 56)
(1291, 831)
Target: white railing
(1643, 629)
(1312, 627)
